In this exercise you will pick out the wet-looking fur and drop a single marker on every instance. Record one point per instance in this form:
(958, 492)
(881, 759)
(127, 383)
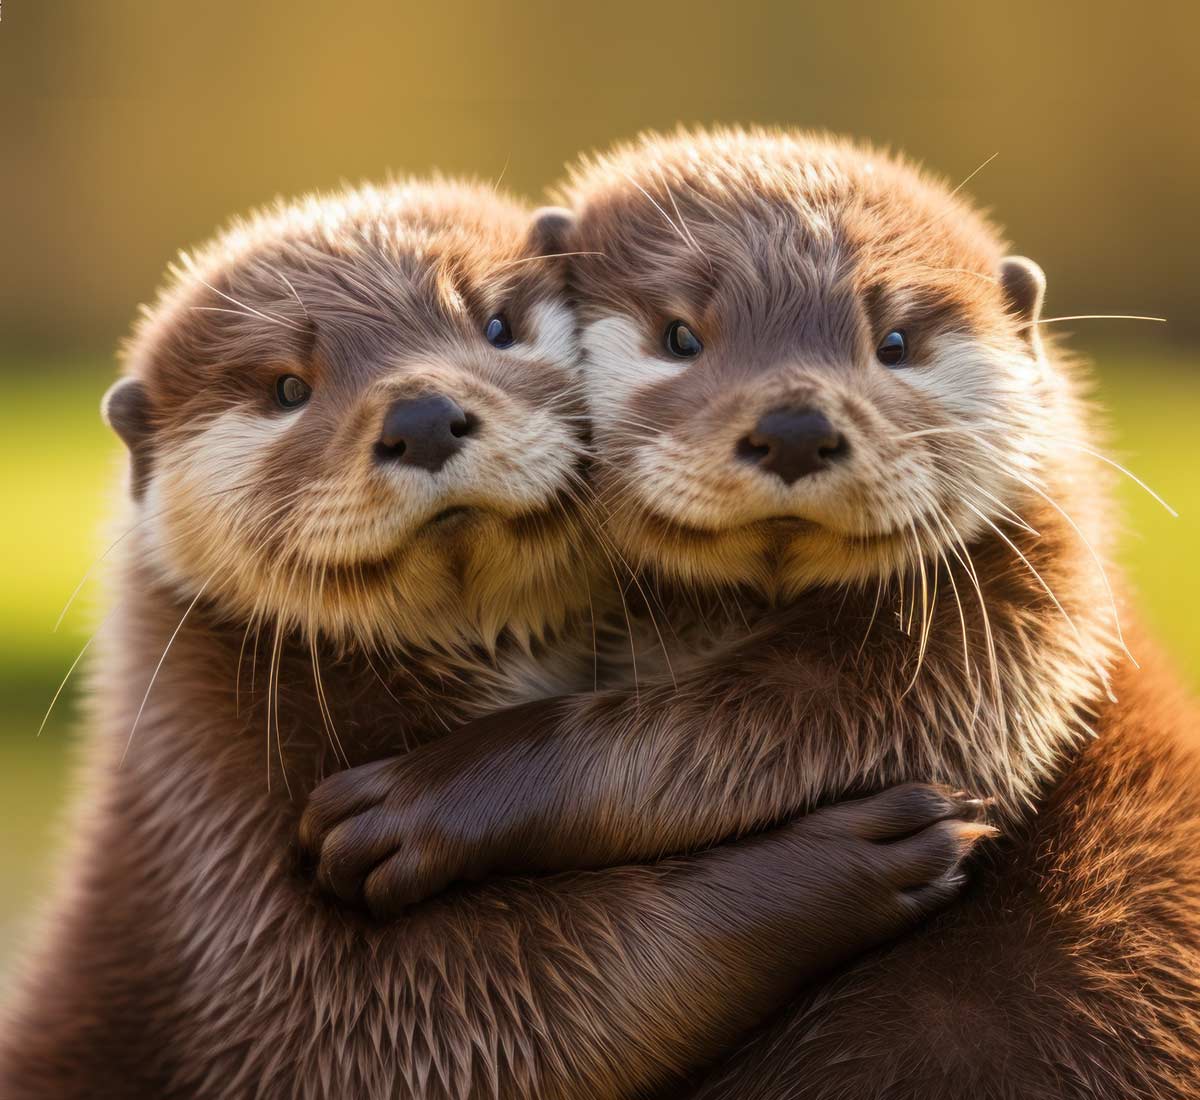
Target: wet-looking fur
(290, 601)
(937, 603)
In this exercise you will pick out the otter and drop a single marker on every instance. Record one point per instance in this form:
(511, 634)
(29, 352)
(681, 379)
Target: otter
(357, 522)
(866, 498)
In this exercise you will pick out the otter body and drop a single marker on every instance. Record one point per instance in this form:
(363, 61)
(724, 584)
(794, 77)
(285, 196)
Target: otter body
(355, 453)
(819, 397)
(1069, 969)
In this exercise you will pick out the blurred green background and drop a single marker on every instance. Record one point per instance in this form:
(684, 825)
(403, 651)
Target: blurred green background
(130, 129)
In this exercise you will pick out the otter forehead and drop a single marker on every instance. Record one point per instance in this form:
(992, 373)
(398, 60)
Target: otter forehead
(358, 282)
(776, 240)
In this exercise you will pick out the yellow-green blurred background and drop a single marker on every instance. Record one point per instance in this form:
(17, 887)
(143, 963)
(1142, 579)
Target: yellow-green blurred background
(130, 129)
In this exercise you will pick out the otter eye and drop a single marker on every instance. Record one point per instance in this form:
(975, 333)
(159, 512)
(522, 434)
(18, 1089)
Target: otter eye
(498, 334)
(291, 392)
(682, 342)
(893, 349)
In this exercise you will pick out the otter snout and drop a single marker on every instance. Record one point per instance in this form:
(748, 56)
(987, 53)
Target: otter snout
(793, 443)
(423, 431)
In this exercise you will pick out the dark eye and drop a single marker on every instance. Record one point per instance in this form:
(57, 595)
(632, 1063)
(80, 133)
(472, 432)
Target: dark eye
(893, 349)
(291, 392)
(682, 342)
(498, 334)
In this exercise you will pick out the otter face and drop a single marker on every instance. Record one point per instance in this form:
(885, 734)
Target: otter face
(353, 416)
(804, 363)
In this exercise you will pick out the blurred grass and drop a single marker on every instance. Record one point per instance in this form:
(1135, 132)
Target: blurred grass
(61, 460)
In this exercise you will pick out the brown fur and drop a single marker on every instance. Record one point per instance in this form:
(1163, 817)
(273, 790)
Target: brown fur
(954, 624)
(285, 607)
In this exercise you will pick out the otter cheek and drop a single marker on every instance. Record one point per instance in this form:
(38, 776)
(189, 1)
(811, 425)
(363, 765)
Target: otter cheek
(204, 483)
(553, 338)
(616, 370)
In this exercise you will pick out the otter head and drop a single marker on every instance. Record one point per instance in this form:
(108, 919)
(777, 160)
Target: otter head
(352, 416)
(805, 363)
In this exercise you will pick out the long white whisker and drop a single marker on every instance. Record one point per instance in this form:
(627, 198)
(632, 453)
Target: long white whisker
(1095, 317)
(1028, 564)
(158, 667)
(1120, 469)
(975, 173)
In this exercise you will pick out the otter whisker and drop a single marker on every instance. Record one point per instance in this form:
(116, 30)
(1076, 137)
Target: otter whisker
(607, 544)
(1010, 513)
(959, 271)
(1112, 599)
(322, 701)
(686, 228)
(288, 283)
(1120, 469)
(1029, 483)
(926, 609)
(967, 562)
(500, 178)
(545, 256)
(874, 613)
(603, 544)
(962, 618)
(595, 641)
(957, 429)
(1095, 317)
(655, 204)
(973, 174)
(976, 433)
(158, 667)
(71, 669)
(273, 704)
(242, 306)
(210, 495)
(241, 313)
(1029, 565)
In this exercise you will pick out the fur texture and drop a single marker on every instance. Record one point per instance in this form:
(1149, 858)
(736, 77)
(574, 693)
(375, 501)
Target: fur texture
(288, 606)
(935, 604)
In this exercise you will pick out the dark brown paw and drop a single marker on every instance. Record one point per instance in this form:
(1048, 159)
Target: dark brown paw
(912, 838)
(376, 840)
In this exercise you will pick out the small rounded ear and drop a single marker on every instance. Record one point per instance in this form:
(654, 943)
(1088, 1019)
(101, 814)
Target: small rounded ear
(1024, 287)
(126, 409)
(550, 230)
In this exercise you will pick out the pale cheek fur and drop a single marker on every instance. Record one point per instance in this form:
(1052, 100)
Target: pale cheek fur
(552, 339)
(197, 502)
(202, 517)
(616, 367)
(930, 489)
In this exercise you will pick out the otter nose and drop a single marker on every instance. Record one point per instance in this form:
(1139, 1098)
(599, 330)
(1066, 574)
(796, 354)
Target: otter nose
(792, 443)
(423, 431)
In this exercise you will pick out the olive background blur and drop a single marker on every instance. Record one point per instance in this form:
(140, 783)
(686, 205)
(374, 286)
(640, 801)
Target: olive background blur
(129, 130)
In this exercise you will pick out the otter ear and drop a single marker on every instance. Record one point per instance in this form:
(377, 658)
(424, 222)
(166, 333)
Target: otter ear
(1024, 287)
(126, 409)
(550, 230)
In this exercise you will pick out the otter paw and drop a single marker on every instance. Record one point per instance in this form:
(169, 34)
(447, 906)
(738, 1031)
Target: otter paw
(915, 836)
(378, 841)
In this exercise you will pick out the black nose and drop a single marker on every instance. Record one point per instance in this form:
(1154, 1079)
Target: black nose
(423, 431)
(793, 443)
